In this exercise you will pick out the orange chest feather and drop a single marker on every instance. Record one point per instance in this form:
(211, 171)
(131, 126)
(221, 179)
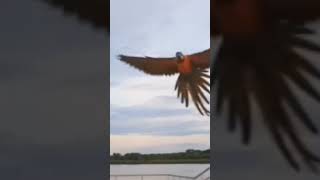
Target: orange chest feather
(185, 67)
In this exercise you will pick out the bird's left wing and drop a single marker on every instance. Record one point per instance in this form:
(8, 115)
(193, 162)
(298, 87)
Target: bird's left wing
(95, 12)
(151, 65)
(201, 59)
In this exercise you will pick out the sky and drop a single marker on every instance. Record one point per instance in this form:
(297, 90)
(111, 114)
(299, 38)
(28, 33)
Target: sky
(146, 115)
(54, 103)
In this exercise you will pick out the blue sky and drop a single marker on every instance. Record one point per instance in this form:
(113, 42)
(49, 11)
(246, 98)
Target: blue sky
(144, 109)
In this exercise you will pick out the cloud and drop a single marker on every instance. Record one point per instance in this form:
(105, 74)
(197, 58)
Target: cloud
(157, 144)
(139, 89)
(143, 105)
(150, 91)
(158, 119)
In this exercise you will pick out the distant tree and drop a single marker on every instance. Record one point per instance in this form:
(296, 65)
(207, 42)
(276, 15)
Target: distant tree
(116, 156)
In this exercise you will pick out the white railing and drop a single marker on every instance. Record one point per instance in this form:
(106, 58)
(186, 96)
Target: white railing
(201, 176)
(149, 177)
(204, 175)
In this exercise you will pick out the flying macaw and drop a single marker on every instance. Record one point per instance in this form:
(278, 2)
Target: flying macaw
(192, 74)
(255, 61)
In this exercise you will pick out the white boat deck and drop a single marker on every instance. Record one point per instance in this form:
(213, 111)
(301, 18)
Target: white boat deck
(204, 175)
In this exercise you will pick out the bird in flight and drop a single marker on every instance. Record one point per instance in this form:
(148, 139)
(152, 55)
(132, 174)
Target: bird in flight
(257, 60)
(192, 81)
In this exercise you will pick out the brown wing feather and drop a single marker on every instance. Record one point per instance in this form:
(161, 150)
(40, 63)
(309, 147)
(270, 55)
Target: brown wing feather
(95, 12)
(150, 65)
(194, 86)
(201, 59)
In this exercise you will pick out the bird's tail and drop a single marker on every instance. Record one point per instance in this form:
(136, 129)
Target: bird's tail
(195, 85)
(263, 69)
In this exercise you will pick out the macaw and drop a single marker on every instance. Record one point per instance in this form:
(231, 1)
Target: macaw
(192, 74)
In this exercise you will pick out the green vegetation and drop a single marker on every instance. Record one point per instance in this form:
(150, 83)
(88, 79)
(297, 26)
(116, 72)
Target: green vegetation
(189, 157)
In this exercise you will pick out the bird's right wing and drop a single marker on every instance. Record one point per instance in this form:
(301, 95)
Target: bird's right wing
(151, 65)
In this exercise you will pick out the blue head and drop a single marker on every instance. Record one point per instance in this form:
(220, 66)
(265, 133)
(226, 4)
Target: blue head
(179, 56)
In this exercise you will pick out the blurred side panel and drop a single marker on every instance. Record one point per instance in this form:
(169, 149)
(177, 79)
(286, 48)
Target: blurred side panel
(54, 76)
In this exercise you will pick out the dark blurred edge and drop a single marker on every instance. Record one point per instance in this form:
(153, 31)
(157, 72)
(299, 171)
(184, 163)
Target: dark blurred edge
(23, 153)
(212, 121)
(108, 101)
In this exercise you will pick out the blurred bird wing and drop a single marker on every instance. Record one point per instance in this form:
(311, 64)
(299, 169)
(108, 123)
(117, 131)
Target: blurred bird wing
(262, 69)
(201, 59)
(151, 65)
(295, 11)
(265, 74)
(95, 12)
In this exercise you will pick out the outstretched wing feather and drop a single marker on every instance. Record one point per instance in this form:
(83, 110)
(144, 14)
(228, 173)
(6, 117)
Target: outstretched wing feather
(151, 65)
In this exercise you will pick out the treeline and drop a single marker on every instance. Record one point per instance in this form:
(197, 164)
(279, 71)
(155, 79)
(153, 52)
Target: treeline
(189, 156)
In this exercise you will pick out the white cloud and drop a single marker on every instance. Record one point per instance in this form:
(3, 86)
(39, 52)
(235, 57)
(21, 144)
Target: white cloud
(151, 112)
(148, 91)
(157, 144)
(140, 89)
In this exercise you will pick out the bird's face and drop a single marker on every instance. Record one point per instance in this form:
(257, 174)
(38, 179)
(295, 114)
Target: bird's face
(180, 57)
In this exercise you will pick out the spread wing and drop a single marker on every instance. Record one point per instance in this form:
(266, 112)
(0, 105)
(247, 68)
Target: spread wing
(201, 59)
(194, 86)
(259, 68)
(151, 65)
(95, 12)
